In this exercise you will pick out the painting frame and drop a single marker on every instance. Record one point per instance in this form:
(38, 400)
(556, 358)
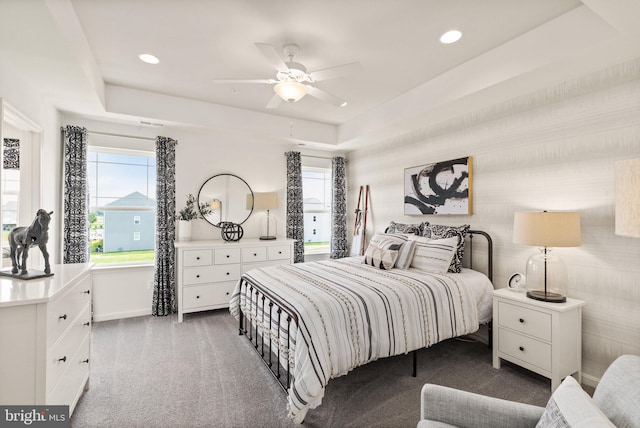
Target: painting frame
(439, 188)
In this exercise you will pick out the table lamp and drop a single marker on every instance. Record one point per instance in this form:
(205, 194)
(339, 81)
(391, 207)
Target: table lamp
(546, 274)
(628, 198)
(266, 201)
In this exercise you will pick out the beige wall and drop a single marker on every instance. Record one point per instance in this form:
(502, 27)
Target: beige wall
(555, 150)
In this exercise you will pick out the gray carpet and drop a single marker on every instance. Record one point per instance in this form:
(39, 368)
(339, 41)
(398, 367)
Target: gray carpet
(155, 372)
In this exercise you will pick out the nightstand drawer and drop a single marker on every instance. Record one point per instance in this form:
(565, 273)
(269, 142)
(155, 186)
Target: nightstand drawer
(207, 295)
(523, 320)
(525, 349)
(254, 254)
(198, 258)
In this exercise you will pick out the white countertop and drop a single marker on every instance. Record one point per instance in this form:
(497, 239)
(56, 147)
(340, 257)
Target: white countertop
(15, 291)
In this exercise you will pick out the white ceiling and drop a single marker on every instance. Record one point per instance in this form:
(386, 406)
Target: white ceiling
(83, 55)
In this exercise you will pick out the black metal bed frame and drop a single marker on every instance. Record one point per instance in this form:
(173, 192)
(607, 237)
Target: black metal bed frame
(262, 302)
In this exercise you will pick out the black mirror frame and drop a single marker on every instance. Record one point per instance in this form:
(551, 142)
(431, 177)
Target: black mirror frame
(218, 175)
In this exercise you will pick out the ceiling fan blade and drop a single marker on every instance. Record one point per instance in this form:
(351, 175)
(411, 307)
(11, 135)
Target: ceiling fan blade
(274, 102)
(337, 71)
(272, 56)
(243, 80)
(325, 96)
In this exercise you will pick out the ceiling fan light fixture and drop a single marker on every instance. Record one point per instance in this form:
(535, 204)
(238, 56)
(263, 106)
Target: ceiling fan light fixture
(291, 91)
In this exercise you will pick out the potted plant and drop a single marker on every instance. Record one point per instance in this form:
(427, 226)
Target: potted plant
(188, 213)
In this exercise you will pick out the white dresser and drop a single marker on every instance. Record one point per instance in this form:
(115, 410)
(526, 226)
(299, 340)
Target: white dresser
(208, 271)
(543, 337)
(45, 334)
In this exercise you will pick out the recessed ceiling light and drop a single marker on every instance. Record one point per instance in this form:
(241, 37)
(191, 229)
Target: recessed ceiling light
(450, 37)
(148, 58)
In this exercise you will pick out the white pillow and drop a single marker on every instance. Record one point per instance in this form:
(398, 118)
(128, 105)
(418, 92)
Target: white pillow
(433, 255)
(571, 407)
(379, 257)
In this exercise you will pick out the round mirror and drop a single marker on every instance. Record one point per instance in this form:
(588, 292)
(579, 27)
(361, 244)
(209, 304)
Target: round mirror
(228, 198)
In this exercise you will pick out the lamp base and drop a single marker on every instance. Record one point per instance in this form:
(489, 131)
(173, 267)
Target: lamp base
(546, 296)
(267, 238)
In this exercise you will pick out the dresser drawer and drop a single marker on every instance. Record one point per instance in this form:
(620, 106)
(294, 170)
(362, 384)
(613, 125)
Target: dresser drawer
(524, 320)
(60, 355)
(279, 252)
(227, 255)
(63, 311)
(525, 349)
(198, 257)
(217, 294)
(254, 254)
(197, 275)
(71, 385)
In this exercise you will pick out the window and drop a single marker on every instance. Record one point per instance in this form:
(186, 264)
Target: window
(10, 205)
(120, 184)
(316, 191)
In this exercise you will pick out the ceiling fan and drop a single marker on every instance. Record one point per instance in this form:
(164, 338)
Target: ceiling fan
(292, 81)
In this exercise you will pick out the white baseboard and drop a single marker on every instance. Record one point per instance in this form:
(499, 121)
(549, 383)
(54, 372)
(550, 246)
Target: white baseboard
(120, 315)
(590, 380)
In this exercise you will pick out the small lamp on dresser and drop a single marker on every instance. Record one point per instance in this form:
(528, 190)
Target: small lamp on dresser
(546, 274)
(266, 201)
(628, 198)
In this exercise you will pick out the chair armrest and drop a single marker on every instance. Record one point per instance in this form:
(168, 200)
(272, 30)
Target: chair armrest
(469, 410)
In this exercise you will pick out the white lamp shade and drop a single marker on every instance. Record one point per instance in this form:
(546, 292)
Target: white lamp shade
(628, 198)
(547, 229)
(265, 201)
(291, 91)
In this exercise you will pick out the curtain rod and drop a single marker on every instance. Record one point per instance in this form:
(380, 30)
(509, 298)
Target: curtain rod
(109, 134)
(317, 157)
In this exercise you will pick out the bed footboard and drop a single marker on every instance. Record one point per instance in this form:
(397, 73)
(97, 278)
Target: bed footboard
(268, 324)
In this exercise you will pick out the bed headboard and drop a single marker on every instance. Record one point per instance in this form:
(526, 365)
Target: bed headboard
(469, 250)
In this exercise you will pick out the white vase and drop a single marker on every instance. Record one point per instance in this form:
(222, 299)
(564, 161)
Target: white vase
(184, 230)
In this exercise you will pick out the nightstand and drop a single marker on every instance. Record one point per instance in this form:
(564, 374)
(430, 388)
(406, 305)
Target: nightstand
(543, 337)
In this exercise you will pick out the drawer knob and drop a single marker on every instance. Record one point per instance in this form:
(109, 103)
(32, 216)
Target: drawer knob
(86, 292)
(521, 320)
(227, 293)
(85, 361)
(197, 297)
(87, 324)
(62, 317)
(63, 359)
(255, 254)
(279, 252)
(197, 258)
(521, 348)
(227, 255)
(197, 276)
(227, 273)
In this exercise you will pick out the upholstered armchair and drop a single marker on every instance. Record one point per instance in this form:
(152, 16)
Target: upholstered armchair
(615, 402)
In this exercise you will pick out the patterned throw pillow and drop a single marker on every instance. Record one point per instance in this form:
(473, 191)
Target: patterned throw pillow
(433, 255)
(399, 242)
(571, 407)
(380, 258)
(415, 228)
(438, 231)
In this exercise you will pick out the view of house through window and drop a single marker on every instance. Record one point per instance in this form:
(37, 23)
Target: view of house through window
(122, 210)
(10, 201)
(316, 192)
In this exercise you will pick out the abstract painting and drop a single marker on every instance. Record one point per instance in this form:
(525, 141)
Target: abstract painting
(438, 188)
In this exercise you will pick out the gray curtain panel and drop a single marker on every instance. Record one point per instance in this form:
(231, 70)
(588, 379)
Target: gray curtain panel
(164, 284)
(11, 153)
(339, 244)
(295, 205)
(76, 204)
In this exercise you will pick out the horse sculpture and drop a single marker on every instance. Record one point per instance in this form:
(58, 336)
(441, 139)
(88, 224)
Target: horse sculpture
(23, 238)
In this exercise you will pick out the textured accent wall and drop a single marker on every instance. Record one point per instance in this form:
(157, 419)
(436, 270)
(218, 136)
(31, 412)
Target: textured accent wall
(554, 149)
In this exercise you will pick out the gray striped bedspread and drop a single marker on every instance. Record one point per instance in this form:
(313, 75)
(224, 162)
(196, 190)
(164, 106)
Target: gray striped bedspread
(350, 314)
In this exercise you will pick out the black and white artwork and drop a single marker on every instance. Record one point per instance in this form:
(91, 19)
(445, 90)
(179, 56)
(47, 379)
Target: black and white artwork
(438, 188)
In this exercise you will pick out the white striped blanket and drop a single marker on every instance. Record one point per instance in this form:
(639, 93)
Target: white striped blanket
(350, 314)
